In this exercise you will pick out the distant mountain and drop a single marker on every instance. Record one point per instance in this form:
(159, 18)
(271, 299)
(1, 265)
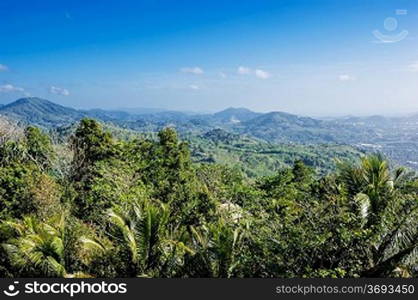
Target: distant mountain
(284, 127)
(141, 110)
(272, 127)
(167, 116)
(283, 120)
(394, 136)
(40, 112)
(369, 121)
(220, 135)
(235, 115)
(412, 118)
(109, 115)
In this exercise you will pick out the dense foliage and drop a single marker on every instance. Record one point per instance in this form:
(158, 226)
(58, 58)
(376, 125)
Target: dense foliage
(96, 206)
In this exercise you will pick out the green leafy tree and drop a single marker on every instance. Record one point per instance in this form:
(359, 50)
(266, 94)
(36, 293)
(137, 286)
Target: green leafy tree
(39, 147)
(90, 145)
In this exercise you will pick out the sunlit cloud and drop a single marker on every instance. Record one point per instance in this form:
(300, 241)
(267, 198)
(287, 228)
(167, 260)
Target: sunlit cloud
(243, 70)
(59, 91)
(192, 70)
(194, 87)
(262, 74)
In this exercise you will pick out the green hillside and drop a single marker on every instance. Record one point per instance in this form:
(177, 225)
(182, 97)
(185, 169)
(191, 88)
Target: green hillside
(40, 112)
(94, 205)
(257, 158)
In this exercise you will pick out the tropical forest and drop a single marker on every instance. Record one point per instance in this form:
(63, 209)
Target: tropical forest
(91, 194)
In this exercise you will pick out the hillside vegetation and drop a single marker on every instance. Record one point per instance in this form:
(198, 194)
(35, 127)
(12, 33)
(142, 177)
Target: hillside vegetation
(92, 205)
(257, 158)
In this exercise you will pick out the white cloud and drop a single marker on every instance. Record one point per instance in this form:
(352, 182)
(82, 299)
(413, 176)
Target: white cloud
(413, 67)
(346, 77)
(243, 70)
(9, 88)
(194, 87)
(192, 70)
(59, 91)
(3, 68)
(222, 74)
(262, 74)
(257, 72)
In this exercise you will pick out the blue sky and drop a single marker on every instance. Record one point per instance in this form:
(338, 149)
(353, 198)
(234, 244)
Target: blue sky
(308, 57)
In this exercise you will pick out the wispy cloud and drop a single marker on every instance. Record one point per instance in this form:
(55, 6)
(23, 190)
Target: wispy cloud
(257, 72)
(243, 70)
(222, 75)
(194, 87)
(413, 67)
(3, 68)
(192, 70)
(9, 88)
(59, 91)
(346, 77)
(262, 74)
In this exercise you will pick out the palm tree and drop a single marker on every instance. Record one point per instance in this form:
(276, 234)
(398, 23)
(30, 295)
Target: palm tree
(38, 247)
(389, 215)
(142, 231)
(215, 250)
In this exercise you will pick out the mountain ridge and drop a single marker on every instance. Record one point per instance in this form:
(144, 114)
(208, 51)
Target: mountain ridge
(242, 114)
(235, 114)
(40, 112)
(394, 136)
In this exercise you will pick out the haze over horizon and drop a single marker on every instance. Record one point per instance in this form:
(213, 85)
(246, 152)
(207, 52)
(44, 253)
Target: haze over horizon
(152, 110)
(316, 59)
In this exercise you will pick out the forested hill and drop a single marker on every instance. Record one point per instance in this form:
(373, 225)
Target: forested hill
(40, 112)
(396, 137)
(256, 158)
(235, 115)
